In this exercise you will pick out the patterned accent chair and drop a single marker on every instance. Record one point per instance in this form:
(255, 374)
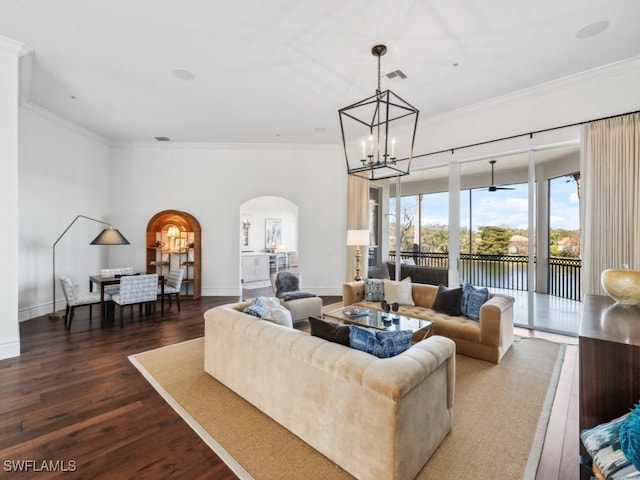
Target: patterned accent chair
(76, 299)
(137, 289)
(172, 285)
(112, 272)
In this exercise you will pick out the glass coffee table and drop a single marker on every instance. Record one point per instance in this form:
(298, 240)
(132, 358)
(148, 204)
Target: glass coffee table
(378, 320)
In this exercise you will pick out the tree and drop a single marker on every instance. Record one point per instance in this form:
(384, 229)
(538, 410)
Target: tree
(407, 218)
(493, 240)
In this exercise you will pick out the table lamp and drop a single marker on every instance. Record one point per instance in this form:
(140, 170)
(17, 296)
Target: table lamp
(358, 238)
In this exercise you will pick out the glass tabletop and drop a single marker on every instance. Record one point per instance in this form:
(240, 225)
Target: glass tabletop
(378, 319)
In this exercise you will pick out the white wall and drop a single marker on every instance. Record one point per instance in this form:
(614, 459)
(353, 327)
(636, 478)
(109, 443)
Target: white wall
(63, 172)
(211, 182)
(9, 332)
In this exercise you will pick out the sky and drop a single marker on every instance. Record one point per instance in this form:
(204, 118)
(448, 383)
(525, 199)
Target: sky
(507, 207)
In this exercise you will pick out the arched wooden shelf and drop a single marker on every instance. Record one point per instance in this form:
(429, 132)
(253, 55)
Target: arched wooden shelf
(178, 247)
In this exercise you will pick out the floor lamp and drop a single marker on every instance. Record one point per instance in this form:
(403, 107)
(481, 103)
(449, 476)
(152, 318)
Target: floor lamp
(358, 238)
(108, 236)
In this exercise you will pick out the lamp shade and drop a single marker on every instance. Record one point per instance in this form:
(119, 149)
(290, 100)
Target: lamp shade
(358, 237)
(110, 236)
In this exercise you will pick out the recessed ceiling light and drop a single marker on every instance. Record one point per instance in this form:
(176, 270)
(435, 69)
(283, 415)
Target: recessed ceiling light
(593, 29)
(162, 139)
(183, 74)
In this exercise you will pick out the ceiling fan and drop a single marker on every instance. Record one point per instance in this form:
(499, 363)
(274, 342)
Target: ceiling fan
(493, 187)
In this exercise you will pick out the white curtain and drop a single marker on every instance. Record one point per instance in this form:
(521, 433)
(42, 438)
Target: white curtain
(357, 219)
(612, 216)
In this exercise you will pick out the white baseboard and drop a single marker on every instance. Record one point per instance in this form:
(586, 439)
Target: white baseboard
(9, 349)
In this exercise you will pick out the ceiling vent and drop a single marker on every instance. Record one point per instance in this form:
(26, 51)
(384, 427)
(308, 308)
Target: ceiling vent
(396, 74)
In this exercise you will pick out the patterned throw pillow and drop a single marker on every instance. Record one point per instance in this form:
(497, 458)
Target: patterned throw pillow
(381, 344)
(603, 444)
(447, 301)
(471, 300)
(256, 308)
(373, 290)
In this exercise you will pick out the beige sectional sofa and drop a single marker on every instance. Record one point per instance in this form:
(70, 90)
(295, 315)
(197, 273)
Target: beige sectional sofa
(487, 339)
(375, 418)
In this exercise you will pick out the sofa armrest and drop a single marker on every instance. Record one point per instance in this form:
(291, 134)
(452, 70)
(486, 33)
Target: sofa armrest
(496, 321)
(352, 292)
(395, 377)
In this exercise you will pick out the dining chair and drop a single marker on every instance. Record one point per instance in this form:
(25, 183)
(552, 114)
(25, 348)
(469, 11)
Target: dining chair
(137, 289)
(75, 299)
(112, 272)
(173, 285)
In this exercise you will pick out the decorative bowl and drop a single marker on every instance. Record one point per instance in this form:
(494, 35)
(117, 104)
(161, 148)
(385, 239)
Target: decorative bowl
(622, 285)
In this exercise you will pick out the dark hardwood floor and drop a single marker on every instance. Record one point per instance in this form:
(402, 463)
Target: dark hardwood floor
(74, 401)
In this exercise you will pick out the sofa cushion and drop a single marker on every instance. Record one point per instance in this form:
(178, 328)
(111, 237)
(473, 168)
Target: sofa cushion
(471, 300)
(383, 344)
(398, 292)
(330, 331)
(447, 300)
(373, 289)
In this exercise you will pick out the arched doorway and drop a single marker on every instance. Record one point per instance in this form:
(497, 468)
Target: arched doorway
(268, 241)
(173, 242)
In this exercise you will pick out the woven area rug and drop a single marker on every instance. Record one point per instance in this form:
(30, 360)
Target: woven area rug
(500, 416)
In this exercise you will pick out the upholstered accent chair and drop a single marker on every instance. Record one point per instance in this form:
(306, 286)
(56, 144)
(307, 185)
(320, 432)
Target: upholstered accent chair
(172, 285)
(137, 289)
(112, 272)
(301, 304)
(77, 299)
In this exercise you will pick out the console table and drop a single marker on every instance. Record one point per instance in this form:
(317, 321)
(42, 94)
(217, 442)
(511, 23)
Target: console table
(609, 368)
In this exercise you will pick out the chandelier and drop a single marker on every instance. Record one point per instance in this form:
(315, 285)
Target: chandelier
(378, 133)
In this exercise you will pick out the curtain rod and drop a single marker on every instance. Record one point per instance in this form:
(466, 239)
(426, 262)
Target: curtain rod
(530, 134)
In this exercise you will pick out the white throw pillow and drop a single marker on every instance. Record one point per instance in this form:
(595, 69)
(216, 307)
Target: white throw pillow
(276, 313)
(398, 292)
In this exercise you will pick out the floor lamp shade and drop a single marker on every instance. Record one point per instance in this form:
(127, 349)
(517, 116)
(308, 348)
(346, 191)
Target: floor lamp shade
(110, 236)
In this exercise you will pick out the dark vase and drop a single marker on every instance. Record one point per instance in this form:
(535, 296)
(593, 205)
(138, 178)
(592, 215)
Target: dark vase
(385, 306)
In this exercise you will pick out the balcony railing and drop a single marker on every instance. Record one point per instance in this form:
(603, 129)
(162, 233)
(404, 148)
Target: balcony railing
(506, 271)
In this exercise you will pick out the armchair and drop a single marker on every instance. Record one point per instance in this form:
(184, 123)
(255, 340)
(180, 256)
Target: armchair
(302, 305)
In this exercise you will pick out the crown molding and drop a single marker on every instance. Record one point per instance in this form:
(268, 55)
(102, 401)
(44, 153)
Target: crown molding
(12, 46)
(49, 115)
(225, 146)
(611, 70)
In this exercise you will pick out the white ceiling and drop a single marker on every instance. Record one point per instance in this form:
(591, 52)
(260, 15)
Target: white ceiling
(277, 71)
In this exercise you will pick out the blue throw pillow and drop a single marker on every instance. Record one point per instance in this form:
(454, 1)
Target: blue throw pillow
(382, 344)
(630, 437)
(256, 308)
(373, 290)
(471, 300)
